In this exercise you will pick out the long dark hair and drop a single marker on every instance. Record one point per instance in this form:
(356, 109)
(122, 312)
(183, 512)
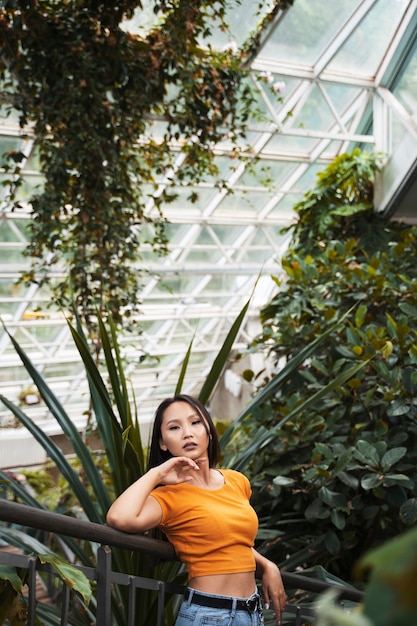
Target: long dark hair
(158, 456)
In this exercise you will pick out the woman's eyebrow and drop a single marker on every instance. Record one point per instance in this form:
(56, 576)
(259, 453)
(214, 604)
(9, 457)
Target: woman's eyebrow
(176, 419)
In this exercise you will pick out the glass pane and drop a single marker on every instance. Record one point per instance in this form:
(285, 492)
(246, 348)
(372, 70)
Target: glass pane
(306, 30)
(406, 88)
(365, 48)
(241, 204)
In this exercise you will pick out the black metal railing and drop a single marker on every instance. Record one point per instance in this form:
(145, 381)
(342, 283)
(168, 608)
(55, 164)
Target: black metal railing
(106, 578)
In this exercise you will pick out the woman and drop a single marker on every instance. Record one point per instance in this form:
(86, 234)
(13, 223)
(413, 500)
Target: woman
(206, 515)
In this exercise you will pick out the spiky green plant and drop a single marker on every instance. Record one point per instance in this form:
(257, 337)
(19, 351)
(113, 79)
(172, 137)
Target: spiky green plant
(118, 427)
(119, 430)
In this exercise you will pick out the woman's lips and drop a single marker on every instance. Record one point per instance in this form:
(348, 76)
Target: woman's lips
(188, 446)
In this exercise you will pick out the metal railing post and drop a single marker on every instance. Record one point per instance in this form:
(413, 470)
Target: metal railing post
(161, 604)
(104, 586)
(31, 591)
(65, 605)
(131, 617)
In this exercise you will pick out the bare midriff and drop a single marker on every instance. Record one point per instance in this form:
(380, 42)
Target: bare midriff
(240, 585)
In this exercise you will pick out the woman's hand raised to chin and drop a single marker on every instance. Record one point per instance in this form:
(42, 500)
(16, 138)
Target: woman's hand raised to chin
(179, 469)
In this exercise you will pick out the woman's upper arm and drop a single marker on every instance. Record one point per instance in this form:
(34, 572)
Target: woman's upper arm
(149, 517)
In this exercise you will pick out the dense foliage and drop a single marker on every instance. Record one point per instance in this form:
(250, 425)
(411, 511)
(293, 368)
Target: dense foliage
(340, 478)
(115, 116)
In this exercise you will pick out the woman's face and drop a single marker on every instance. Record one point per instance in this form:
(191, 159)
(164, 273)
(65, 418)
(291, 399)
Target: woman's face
(183, 431)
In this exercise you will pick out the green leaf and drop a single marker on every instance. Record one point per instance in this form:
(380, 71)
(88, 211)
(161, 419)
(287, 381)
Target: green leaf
(183, 370)
(398, 407)
(408, 511)
(408, 309)
(360, 315)
(349, 479)
(392, 479)
(332, 498)
(283, 481)
(366, 452)
(73, 577)
(338, 519)
(332, 542)
(370, 481)
(347, 210)
(342, 461)
(7, 572)
(109, 427)
(392, 456)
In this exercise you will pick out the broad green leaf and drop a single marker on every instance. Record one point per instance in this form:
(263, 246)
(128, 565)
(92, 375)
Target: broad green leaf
(351, 209)
(398, 407)
(392, 479)
(73, 577)
(370, 481)
(338, 519)
(366, 452)
(408, 511)
(408, 309)
(349, 479)
(387, 349)
(412, 353)
(392, 456)
(332, 498)
(7, 572)
(343, 461)
(283, 481)
(409, 378)
(332, 542)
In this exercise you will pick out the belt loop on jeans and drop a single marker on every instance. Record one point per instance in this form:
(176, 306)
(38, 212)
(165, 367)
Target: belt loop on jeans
(189, 596)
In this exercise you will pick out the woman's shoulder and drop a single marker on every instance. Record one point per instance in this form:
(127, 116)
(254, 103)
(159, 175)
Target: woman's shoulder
(231, 472)
(234, 476)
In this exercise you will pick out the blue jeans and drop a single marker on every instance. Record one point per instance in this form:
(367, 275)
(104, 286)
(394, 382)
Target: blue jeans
(191, 614)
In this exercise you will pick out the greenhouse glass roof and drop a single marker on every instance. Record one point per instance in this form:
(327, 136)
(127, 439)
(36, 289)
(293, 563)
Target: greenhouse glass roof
(331, 76)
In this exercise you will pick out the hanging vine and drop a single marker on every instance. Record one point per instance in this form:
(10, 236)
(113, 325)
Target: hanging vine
(89, 89)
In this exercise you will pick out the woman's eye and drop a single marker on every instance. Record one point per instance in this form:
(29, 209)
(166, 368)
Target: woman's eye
(196, 422)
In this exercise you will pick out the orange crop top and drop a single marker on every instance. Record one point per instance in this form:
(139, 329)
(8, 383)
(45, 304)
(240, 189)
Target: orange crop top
(212, 531)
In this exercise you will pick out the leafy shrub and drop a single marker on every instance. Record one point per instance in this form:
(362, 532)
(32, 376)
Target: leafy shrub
(341, 476)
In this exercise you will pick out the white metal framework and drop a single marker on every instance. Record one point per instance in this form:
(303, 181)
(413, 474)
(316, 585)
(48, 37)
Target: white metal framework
(343, 74)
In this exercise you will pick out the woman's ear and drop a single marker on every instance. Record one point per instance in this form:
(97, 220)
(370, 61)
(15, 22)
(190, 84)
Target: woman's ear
(162, 446)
